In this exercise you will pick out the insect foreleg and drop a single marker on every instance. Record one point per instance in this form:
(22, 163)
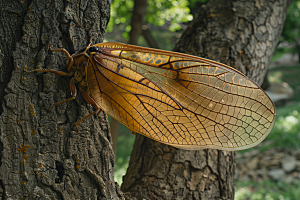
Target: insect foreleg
(100, 116)
(67, 54)
(91, 101)
(60, 73)
(73, 92)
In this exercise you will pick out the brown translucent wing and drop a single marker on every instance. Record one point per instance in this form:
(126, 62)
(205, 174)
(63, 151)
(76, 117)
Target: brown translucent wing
(181, 100)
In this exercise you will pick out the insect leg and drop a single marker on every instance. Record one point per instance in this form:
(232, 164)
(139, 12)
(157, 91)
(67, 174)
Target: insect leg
(73, 92)
(90, 42)
(101, 117)
(67, 54)
(60, 73)
(91, 101)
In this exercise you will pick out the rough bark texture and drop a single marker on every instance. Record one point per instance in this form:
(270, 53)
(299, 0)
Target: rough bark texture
(242, 34)
(158, 171)
(43, 156)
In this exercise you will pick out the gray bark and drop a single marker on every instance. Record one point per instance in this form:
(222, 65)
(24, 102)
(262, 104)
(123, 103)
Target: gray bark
(43, 156)
(239, 33)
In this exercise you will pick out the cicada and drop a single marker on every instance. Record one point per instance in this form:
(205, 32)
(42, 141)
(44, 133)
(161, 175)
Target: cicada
(181, 100)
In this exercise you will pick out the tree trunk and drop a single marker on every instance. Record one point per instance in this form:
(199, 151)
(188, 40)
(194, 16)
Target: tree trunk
(297, 41)
(137, 20)
(239, 33)
(43, 156)
(149, 39)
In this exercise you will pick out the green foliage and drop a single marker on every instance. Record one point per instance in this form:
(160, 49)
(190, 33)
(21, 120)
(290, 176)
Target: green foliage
(120, 13)
(158, 12)
(174, 11)
(292, 24)
(287, 128)
(125, 143)
(267, 190)
(279, 52)
(291, 31)
(286, 74)
(194, 3)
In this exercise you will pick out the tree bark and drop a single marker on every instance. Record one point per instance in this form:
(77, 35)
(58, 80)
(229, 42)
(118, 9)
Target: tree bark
(43, 156)
(239, 33)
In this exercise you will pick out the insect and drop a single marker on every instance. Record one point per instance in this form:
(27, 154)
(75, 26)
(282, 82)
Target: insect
(181, 100)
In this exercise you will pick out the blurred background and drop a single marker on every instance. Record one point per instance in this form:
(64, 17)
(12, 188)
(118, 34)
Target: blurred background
(268, 171)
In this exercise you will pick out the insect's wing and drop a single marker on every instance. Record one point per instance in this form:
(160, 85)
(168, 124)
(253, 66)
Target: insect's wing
(181, 100)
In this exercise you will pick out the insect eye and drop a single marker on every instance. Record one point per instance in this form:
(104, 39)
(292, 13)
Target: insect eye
(94, 49)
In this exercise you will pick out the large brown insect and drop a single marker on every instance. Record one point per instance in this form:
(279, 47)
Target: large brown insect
(177, 99)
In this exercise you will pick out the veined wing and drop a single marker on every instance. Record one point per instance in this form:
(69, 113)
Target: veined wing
(178, 99)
